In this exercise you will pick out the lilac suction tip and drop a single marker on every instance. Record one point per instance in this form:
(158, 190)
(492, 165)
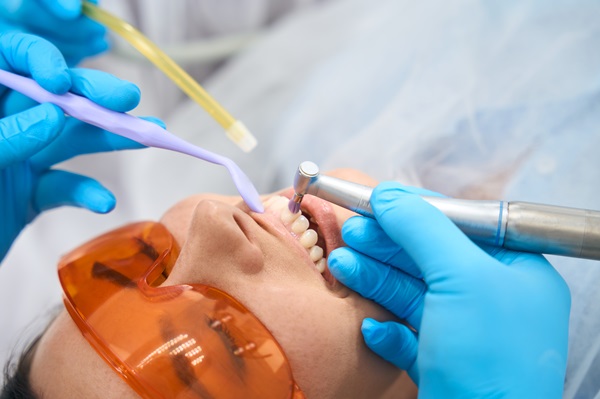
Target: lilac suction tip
(252, 199)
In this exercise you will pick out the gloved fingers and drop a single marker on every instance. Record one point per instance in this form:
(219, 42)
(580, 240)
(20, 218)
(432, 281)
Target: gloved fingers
(22, 9)
(533, 267)
(514, 258)
(33, 56)
(75, 50)
(77, 31)
(57, 188)
(393, 289)
(366, 236)
(51, 18)
(504, 255)
(63, 9)
(79, 138)
(28, 132)
(15, 203)
(105, 89)
(13, 102)
(394, 342)
(425, 233)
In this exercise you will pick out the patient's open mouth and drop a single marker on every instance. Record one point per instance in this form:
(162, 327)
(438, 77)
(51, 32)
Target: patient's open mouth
(311, 227)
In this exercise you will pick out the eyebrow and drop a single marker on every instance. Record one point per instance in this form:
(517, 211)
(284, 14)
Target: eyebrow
(225, 337)
(102, 272)
(183, 370)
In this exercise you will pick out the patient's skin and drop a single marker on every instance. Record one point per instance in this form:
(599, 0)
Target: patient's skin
(266, 269)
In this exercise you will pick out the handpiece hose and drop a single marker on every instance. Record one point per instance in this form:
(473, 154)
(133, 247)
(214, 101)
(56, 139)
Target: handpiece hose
(519, 226)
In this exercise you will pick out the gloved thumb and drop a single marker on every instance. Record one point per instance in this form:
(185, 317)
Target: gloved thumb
(28, 132)
(395, 290)
(425, 233)
(394, 342)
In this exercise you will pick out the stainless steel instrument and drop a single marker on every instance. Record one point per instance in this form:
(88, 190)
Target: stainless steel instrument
(519, 226)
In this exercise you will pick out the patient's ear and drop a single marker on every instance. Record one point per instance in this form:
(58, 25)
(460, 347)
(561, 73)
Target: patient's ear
(353, 175)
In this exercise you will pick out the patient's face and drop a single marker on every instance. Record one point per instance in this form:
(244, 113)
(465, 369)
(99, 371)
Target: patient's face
(270, 264)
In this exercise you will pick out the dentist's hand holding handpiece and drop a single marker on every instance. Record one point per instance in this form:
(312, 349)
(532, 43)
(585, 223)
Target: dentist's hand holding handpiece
(484, 322)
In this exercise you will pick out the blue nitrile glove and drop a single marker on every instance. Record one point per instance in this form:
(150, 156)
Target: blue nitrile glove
(492, 323)
(60, 22)
(33, 140)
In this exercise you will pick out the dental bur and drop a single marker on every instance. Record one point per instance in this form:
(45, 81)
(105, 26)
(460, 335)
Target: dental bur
(518, 226)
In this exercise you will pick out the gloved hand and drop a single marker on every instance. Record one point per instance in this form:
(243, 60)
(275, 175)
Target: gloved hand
(33, 140)
(490, 323)
(60, 22)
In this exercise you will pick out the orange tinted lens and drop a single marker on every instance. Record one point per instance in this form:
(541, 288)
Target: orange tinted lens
(185, 341)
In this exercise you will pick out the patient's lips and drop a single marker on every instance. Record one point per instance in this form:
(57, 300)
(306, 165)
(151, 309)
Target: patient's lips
(313, 239)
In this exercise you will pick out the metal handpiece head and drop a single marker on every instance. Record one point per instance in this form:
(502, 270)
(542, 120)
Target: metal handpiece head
(306, 173)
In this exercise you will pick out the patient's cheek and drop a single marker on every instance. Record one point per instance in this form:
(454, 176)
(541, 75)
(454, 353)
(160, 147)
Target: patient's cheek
(320, 335)
(66, 366)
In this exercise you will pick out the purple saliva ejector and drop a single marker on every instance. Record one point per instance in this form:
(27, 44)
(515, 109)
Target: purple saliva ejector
(132, 127)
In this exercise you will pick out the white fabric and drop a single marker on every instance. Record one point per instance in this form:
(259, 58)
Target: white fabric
(491, 99)
(173, 23)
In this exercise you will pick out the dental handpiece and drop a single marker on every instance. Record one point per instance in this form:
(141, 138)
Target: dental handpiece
(518, 226)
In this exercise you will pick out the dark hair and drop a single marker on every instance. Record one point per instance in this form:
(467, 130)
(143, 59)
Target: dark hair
(17, 384)
(16, 376)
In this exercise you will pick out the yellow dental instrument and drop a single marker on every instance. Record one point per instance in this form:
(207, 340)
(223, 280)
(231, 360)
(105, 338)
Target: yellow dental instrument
(235, 129)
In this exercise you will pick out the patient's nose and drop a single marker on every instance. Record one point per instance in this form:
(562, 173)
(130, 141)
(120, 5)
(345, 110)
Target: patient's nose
(216, 250)
(177, 219)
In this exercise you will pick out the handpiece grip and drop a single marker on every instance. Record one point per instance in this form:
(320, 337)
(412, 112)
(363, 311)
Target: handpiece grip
(553, 230)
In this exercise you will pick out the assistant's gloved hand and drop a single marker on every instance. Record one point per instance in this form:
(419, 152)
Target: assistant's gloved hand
(35, 137)
(491, 323)
(60, 22)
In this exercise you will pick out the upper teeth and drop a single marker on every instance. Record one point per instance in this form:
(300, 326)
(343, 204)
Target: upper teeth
(298, 225)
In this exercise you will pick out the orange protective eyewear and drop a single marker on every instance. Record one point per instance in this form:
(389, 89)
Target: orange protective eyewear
(183, 341)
